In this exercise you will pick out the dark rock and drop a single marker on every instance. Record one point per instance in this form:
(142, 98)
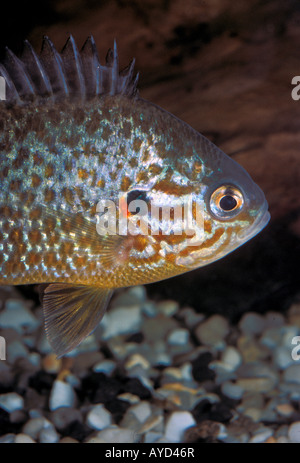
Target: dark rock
(117, 408)
(205, 410)
(6, 426)
(99, 388)
(63, 418)
(200, 369)
(41, 381)
(135, 337)
(134, 386)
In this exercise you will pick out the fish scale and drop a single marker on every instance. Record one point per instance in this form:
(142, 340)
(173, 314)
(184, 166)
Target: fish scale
(74, 132)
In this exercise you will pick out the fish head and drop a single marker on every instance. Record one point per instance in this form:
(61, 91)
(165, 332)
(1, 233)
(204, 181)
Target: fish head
(198, 209)
(232, 210)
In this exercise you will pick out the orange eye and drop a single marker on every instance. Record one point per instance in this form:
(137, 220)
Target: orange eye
(226, 202)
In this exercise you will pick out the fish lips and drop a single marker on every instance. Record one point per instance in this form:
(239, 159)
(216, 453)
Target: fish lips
(259, 223)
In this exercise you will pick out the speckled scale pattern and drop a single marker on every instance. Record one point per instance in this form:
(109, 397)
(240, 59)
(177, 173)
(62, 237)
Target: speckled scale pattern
(70, 156)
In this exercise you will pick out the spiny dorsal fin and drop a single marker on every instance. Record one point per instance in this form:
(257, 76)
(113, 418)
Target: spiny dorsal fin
(69, 74)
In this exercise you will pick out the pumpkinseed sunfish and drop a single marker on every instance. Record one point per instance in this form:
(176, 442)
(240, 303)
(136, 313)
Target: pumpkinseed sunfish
(74, 132)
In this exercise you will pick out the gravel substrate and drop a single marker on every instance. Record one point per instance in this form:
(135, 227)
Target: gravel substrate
(154, 373)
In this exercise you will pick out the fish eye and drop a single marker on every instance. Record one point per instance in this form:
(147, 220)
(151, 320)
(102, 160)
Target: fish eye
(226, 202)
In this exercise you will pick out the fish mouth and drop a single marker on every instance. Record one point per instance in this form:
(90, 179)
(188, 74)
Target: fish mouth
(260, 222)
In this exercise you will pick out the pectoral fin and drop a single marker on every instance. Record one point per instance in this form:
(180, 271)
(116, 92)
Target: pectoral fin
(71, 313)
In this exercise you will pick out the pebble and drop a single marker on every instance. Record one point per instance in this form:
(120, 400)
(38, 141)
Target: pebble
(178, 337)
(23, 439)
(251, 350)
(156, 329)
(105, 366)
(121, 320)
(282, 357)
(136, 415)
(152, 422)
(177, 424)
(212, 331)
(17, 316)
(65, 416)
(98, 417)
(151, 437)
(7, 438)
(285, 409)
(231, 358)
(288, 333)
(132, 398)
(11, 401)
(137, 360)
(190, 317)
(142, 411)
(68, 440)
(15, 350)
(34, 426)
(51, 363)
(292, 374)
(62, 395)
(274, 320)
(48, 436)
(231, 390)
(294, 314)
(167, 307)
(294, 432)
(118, 435)
(252, 323)
(261, 436)
(256, 384)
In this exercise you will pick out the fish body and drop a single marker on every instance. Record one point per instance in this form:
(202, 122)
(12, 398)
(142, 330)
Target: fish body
(74, 133)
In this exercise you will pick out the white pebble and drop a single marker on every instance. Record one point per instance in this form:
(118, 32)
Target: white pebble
(167, 307)
(212, 331)
(14, 350)
(48, 436)
(141, 411)
(261, 436)
(151, 437)
(292, 374)
(7, 438)
(98, 417)
(282, 357)
(105, 366)
(121, 320)
(176, 425)
(231, 358)
(117, 435)
(17, 316)
(34, 426)
(178, 337)
(294, 432)
(252, 323)
(11, 401)
(24, 439)
(62, 395)
(231, 390)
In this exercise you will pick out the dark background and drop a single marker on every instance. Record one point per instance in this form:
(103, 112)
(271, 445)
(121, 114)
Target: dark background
(226, 69)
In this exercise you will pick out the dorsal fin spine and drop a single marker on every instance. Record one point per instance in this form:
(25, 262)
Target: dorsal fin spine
(71, 73)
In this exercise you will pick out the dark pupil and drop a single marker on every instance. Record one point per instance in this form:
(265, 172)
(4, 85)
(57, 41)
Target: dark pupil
(227, 203)
(134, 195)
